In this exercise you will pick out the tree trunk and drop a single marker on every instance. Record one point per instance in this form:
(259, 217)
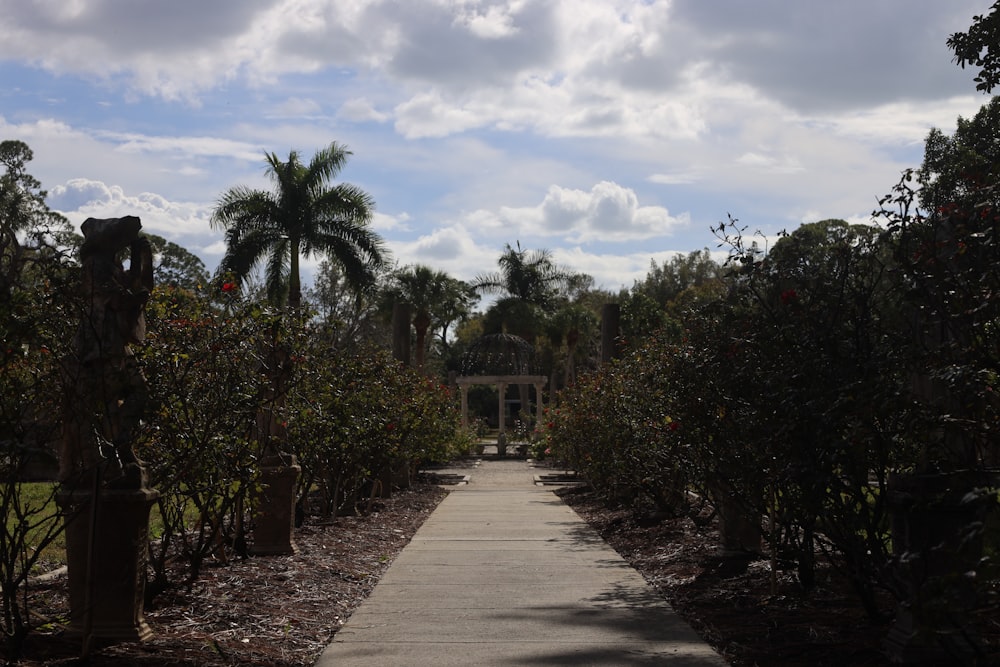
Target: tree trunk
(294, 281)
(421, 323)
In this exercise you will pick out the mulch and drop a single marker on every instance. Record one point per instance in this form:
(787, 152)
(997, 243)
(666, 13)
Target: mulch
(273, 611)
(281, 611)
(738, 613)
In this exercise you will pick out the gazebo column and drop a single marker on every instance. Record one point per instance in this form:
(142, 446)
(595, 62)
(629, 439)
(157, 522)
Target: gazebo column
(538, 403)
(502, 389)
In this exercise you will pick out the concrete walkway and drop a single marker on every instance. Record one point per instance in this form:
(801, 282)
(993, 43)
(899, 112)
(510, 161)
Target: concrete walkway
(504, 573)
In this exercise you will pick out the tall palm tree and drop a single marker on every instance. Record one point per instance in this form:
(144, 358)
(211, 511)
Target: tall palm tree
(528, 282)
(303, 216)
(526, 275)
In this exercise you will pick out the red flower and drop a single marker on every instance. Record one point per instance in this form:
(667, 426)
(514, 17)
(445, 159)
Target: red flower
(228, 287)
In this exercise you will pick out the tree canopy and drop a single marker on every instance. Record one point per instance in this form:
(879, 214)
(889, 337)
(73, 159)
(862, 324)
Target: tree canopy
(978, 46)
(958, 168)
(303, 216)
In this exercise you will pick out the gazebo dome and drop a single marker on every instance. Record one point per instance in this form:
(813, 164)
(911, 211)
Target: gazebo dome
(499, 354)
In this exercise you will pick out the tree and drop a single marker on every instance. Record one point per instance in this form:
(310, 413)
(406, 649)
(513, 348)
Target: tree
(958, 170)
(978, 47)
(37, 310)
(652, 302)
(570, 323)
(527, 282)
(175, 266)
(303, 216)
(437, 300)
(346, 315)
(665, 282)
(23, 211)
(530, 276)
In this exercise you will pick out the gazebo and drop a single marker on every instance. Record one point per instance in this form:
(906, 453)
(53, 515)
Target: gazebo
(501, 360)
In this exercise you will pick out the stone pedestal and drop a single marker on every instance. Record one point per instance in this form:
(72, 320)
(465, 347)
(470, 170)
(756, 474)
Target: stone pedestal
(106, 556)
(937, 538)
(274, 519)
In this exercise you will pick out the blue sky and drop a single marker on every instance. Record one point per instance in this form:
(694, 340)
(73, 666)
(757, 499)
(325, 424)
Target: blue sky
(611, 132)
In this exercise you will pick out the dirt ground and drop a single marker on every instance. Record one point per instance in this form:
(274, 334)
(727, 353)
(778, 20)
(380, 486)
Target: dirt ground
(282, 610)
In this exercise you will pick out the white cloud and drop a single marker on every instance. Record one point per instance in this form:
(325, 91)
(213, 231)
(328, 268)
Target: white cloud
(901, 123)
(614, 271)
(609, 212)
(781, 164)
(360, 110)
(685, 177)
(452, 249)
(428, 115)
(297, 107)
(389, 223)
(496, 22)
(188, 147)
(81, 198)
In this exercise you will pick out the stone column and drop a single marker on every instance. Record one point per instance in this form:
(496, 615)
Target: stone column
(106, 551)
(274, 518)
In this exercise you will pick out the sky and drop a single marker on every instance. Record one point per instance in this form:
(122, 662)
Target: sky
(612, 133)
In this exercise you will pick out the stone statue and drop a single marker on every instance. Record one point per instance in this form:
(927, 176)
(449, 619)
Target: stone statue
(107, 392)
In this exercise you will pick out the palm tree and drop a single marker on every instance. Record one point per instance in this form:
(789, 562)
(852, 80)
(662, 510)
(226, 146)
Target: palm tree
(528, 282)
(303, 216)
(530, 276)
(435, 297)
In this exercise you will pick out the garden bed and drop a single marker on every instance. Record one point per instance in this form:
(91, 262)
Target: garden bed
(281, 611)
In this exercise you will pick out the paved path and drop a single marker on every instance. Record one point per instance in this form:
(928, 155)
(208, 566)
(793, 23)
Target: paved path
(504, 573)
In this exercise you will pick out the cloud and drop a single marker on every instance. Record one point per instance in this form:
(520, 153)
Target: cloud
(608, 212)
(612, 271)
(359, 110)
(82, 198)
(461, 113)
(455, 250)
(297, 107)
(187, 147)
(838, 56)
(900, 123)
(685, 177)
(431, 116)
(458, 46)
(778, 164)
(389, 223)
(496, 22)
(452, 249)
(587, 68)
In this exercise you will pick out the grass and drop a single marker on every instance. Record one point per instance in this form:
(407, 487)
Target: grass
(39, 501)
(39, 506)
